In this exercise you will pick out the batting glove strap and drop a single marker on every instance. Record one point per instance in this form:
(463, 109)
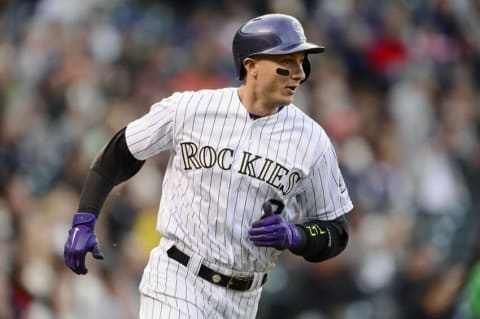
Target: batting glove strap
(301, 239)
(84, 219)
(295, 236)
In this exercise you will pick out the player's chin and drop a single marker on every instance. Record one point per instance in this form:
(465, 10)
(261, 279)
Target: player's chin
(282, 97)
(286, 99)
(287, 95)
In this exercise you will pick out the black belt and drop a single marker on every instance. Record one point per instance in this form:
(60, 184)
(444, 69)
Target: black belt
(231, 282)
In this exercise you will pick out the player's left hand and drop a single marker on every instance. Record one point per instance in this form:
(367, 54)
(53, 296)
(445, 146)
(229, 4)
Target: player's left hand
(274, 231)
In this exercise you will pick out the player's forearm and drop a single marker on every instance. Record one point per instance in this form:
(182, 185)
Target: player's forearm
(95, 190)
(113, 165)
(322, 240)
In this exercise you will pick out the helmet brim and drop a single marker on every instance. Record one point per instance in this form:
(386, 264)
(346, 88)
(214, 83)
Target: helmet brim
(306, 47)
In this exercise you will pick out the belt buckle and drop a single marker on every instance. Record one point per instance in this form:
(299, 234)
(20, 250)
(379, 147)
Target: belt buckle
(246, 283)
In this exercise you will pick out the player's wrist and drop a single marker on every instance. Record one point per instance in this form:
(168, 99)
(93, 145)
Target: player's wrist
(323, 239)
(83, 218)
(299, 239)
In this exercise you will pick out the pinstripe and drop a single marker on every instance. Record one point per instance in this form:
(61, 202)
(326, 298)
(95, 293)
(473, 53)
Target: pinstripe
(202, 234)
(281, 136)
(158, 282)
(187, 304)
(202, 290)
(333, 179)
(209, 302)
(290, 137)
(184, 100)
(310, 137)
(211, 173)
(327, 171)
(183, 119)
(197, 105)
(216, 306)
(221, 176)
(153, 313)
(336, 170)
(176, 286)
(240, 301)
(194, 224)
(301, 135)
(241, 179)
(250, 305)
(223, 313)
(237, 115)
(229, 191)
(313, 196)
(218, 199)
(324, 197)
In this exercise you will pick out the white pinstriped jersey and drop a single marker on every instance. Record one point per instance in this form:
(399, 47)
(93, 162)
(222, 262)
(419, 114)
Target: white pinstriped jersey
(224, 165)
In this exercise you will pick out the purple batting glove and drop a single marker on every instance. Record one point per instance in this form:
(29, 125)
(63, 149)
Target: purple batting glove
(274, 231)
(81, 240)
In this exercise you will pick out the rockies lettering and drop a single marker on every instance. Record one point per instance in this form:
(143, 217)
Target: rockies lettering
(251, 165)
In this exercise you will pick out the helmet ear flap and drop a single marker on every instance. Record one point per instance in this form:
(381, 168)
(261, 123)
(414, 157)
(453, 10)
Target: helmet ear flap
(306, 68)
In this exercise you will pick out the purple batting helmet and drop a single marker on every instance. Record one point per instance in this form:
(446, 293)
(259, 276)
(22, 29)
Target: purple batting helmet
(271, 34)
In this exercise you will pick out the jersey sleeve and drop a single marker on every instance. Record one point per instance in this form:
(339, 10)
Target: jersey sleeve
(153, 132)
(325, 194)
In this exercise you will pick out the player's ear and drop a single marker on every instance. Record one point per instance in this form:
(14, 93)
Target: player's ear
(250, 66)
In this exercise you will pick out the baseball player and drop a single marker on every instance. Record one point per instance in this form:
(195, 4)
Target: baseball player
(249, 176)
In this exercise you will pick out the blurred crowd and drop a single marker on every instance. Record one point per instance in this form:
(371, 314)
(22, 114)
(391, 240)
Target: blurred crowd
(396, 90)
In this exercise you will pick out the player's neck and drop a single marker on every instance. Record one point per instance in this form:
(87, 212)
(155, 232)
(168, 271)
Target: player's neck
(255, 105)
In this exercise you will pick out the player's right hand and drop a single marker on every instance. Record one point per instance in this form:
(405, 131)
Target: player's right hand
(274, 231)
(81, 239)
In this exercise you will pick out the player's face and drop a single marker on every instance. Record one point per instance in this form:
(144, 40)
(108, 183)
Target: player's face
(276, 86)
